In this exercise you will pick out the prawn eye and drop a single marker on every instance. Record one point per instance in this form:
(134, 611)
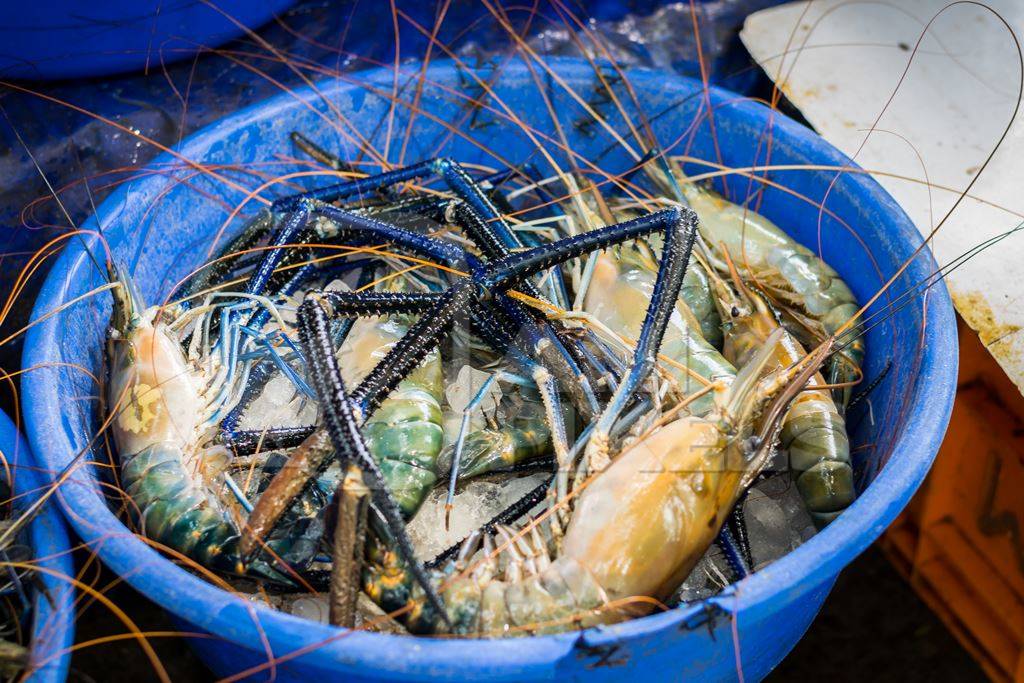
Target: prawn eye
(735, 311)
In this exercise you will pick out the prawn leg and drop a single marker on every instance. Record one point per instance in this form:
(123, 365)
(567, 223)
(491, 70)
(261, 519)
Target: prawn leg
(678, 243)
(494, 278)
(342, 428)
(347, 549)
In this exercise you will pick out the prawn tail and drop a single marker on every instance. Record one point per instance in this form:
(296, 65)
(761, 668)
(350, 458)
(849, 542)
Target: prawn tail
(177, 513)
(525, 594)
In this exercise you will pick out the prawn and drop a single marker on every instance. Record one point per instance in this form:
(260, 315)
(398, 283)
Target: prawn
(620, 544)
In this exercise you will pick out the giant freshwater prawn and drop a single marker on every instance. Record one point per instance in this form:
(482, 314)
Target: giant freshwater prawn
(638, 325)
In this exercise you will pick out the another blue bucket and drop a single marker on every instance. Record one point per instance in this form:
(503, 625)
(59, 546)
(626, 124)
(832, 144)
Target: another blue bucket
(753, 624)
(49, 39)
(53, 613)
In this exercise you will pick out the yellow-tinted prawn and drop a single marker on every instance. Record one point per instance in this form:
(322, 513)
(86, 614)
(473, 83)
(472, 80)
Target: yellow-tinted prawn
(637, 529)
(813, 431)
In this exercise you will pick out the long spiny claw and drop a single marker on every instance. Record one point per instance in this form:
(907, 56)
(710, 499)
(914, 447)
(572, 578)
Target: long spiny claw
(350, 188)
(342, 427)
(348, 548)
(293, 224)
(733, 553)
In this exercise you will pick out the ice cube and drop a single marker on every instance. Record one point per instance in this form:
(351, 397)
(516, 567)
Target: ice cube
(694, 588)
(312, 607)
(476, 503)
(280, 404)
(767, 528)
(278, 391)
(466, 386)
(777, 519)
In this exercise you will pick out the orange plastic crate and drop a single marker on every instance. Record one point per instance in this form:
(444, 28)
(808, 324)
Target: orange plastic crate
(960, 542)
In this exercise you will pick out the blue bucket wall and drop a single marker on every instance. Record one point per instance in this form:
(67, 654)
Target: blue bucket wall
(53, 615)
(50, 39)
(161, 229)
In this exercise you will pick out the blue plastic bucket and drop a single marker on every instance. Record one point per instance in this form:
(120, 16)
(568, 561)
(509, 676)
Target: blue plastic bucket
(161, 229)
(53, 614)
(50, 39)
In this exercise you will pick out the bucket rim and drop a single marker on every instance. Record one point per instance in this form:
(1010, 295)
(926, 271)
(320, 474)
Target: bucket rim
(53, 626)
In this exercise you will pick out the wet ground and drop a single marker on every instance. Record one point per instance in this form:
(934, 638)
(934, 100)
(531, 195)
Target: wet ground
(872, 628)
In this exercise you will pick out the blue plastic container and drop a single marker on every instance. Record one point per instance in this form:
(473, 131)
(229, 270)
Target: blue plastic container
(50, 39)
(161, 237)
(53, 620)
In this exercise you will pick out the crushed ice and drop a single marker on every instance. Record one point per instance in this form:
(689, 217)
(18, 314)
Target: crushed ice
(476, 503)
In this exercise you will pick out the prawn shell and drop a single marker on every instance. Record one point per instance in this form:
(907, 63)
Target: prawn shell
(163, 481)
(405, 436)
(814, 432)
(152, 388)
(696, 292)
(494, 619)
(643, 523)
(619, 296)
(385, 580)
(462, 598)
(196, 525)
(530, 604)
(827, 487)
